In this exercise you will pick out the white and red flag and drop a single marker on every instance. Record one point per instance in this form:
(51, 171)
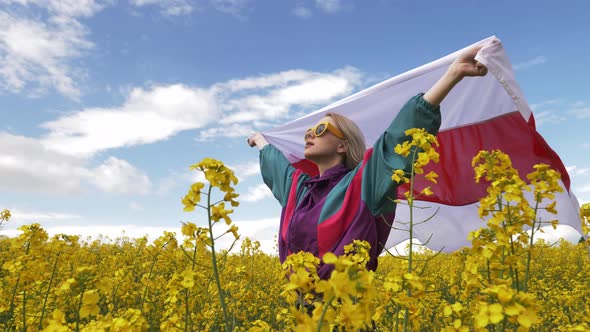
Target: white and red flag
(481, 113)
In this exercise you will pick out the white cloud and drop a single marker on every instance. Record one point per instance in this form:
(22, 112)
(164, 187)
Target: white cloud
(157, 113)
(582, 189)
(275, 95)
(64, 8)
(118, 176)
(195, 176)
(186, 178)
(36, 52)
(548, 112)
(168, 7)
(262, 230)
(175, 179)
(301, 11)
(581, 112)
(548, 117)
(232, 131)
(147, 116)
(554, 110)
(26, 165)
(544, 104)
(135, 206)
(256, 194)
(22, 217)
(580, 182)
(533, 62)
(166, 184)
(246, 170)
(97, 231)
(329, 6)
(172, 8)
(263, 81)
(154, 114)
(576, 171)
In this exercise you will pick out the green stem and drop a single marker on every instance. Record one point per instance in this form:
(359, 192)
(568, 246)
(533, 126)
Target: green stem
(24, 310)
(489, 272)
(13, 297)
(530, 248)
(326, 307)
(396, 313)
(187, 321)
(147, 282)
(40, 327)
(150, 276)
(214, 263)
(411, 235)
(186, 310)
(78, 310)
(514, 271)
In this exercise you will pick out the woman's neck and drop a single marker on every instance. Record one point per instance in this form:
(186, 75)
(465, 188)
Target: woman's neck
(326, 165)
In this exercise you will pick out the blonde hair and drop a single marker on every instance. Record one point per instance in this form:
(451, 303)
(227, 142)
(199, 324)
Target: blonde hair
(354, 139)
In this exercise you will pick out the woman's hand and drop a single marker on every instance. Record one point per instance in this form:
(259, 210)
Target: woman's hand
(256, 139)
(464, 65)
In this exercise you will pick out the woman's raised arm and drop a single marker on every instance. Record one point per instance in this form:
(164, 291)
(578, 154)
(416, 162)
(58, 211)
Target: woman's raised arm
(464, 65)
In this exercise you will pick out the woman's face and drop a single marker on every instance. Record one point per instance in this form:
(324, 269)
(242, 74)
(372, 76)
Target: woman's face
(325, 146)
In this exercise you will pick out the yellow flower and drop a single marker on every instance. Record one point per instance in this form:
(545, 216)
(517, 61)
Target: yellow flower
(188, 229)
(329, 258)
(352, 316)
(234, 230)
(514, 309)
(229, 197)
(399, 176)
(426, 191)
(259, 326)
(527, 318)
(551, 208)
(188, 279)
(90, 304)
(340, 283)
(218, 212)
(403, 149)
(488, 314)
(431, 176)
(447, 311)
(193, 197)
(5, 215)
(217, 173)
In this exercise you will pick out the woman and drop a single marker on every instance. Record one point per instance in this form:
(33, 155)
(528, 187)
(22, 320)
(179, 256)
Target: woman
(349, 200)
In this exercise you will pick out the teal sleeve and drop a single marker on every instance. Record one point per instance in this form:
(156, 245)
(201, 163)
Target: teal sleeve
(277, 173)
(377, 186)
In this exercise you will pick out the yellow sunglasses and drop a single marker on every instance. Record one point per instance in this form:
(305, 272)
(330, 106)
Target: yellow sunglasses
(321, 128)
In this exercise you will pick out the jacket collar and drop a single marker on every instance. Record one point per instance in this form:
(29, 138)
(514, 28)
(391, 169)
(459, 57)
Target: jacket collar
(334, 173)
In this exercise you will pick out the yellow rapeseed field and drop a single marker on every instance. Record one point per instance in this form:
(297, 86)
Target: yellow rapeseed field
(503, 282)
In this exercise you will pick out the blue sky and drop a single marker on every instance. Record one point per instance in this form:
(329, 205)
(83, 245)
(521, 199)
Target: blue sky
(105, 104)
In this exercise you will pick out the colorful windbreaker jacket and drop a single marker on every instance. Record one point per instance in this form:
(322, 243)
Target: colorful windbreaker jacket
(325, 213)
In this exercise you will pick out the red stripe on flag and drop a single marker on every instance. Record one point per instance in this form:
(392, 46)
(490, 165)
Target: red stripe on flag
(509, 133)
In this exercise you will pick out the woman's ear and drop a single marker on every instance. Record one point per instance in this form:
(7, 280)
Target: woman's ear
(342, 147)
